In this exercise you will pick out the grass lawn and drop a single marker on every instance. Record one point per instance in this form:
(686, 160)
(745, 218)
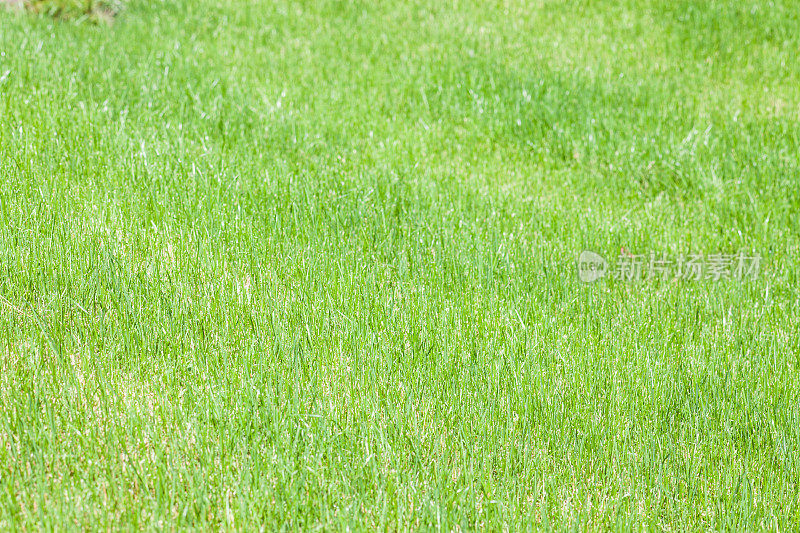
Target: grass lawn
(312, 265)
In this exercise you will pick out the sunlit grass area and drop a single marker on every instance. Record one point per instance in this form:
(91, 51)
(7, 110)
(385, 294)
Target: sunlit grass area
(312, 265)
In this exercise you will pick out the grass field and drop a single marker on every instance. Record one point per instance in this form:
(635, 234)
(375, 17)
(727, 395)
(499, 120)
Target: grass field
(312, 265)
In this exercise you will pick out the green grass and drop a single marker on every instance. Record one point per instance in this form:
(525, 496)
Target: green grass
(311, 265)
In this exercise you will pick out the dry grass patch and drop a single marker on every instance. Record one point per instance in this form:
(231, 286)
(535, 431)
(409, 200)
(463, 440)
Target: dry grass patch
(97, 11)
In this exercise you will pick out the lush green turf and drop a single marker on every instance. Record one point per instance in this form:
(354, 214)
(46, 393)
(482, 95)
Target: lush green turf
(312, 265)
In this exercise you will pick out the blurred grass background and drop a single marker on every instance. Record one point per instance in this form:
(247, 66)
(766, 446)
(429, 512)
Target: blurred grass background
(97, 11)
